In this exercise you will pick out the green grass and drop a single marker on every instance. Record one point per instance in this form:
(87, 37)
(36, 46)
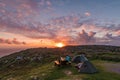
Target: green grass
(49, 72)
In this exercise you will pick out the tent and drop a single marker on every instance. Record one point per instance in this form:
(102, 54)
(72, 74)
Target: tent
(86, 67)
(79, 59)
(83, 65)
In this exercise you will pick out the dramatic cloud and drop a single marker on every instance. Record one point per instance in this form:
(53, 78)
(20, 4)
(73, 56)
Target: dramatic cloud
(8, 41)
(32, 19)
(21, 17)
(84, 38)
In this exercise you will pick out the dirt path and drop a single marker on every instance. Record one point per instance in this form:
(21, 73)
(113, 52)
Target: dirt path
(112, 67)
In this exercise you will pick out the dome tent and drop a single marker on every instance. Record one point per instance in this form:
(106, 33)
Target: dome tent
(79, 58)
(83, 65)
(87, 67)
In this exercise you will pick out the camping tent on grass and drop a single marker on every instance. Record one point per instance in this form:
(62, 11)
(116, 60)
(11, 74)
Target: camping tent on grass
(83, 65)
(86, 67)
(79, 59)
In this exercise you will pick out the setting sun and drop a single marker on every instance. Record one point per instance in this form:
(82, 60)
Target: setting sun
(60, 45)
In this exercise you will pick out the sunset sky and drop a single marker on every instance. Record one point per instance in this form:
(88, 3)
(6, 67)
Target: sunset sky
(43, 23)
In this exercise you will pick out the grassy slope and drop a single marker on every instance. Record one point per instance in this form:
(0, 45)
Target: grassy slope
(49, 72)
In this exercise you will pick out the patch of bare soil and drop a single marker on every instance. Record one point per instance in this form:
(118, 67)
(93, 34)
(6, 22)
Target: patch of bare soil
(67, 72)
(112, 67)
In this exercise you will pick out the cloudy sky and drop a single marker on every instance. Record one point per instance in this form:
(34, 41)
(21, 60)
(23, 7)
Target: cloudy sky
(43, 23)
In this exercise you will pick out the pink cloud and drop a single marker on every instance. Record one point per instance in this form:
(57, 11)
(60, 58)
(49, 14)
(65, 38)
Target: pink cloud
(87, 14)
(23, 17)
(63, 29)
(8, 41)
(48, 3)
(117, 32)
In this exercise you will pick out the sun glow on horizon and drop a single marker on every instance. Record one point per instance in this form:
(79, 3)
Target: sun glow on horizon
(59, 45)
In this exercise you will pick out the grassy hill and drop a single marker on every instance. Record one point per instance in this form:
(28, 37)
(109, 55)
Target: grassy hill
(38, 63)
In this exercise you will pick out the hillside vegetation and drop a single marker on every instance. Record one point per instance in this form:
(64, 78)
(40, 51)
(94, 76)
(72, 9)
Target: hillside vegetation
(38, 63)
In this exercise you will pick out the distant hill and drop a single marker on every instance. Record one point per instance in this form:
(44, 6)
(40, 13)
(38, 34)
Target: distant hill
(90, 50)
